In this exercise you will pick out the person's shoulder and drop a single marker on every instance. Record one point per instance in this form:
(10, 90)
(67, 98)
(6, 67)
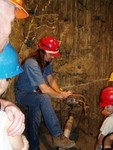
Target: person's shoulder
(30, 61)
(110, 117)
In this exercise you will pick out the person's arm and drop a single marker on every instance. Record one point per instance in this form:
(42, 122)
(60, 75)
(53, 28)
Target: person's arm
(34, 72)
(108, 141)
(48, 90)
(53, 83)
(18, 142)
(15, 115)
(99, 142)
(53, 90)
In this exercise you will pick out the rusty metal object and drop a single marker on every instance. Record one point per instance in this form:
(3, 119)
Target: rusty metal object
(77, 100)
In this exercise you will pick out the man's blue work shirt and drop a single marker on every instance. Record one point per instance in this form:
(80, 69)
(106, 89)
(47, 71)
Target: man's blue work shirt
(32, 75)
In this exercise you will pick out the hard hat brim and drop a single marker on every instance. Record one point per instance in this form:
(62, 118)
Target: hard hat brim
(104, 104)
(11, 75)
(17, 72)
(20, 12)
(9, 63)
(55, 55)
(43, 48)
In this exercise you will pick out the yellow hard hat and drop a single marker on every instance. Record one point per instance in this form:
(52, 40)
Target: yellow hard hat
(111, 77)
(20, 12)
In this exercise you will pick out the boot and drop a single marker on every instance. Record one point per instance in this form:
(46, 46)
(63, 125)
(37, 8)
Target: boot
(63, 142)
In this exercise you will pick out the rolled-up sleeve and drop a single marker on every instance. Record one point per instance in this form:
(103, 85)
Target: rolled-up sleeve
(34, 73)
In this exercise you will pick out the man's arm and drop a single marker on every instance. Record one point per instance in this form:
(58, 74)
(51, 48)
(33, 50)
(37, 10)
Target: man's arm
(53, 83)
(15, 115)
(108, 141)
(53, 89)
(51, 92)
(18, 142)
(99, 142)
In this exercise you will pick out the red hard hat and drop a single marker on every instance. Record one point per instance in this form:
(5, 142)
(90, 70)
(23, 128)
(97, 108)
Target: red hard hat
(107, 97)
(50, 45)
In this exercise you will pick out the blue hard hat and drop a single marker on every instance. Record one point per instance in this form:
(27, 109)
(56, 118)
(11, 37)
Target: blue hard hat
(9, 63)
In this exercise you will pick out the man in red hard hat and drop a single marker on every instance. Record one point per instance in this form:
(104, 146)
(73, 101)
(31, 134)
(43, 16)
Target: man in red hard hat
(106, 101)
(50, 45)
(34, 88)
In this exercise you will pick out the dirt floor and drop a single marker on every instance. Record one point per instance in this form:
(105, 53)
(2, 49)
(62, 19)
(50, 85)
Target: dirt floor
(84, 142)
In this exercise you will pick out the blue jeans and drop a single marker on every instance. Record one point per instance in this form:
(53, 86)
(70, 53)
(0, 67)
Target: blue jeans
(38, 104)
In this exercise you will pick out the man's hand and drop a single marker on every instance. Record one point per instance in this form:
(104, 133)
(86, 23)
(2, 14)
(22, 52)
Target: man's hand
(17, 118)
(65, 94)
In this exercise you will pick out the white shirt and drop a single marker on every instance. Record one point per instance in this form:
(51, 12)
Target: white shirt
(4, 142)
(107, 126)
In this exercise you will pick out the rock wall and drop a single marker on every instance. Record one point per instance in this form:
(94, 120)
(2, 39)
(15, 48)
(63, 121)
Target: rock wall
(84, 29)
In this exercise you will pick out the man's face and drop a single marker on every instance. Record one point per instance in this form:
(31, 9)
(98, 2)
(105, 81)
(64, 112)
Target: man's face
(3, 85)
(48, 57)
(7, 15)
(109, 108)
